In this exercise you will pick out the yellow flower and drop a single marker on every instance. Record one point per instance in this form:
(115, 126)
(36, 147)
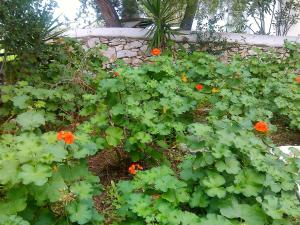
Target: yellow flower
(165, 109)
(184, 78)
(54, 169)
(215, 90)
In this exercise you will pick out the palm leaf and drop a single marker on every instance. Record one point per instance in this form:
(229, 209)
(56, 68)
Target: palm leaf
(164, 14)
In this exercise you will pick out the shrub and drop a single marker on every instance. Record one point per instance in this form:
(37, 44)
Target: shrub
(259, 87)
(44, 177)
(25, 26)
(143, 109)
(53, 91)
(232, 178)
(44, 180)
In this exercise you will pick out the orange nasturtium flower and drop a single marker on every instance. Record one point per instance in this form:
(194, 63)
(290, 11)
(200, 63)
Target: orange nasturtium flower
(134, 166)
(261, 127)
(67, 136)
(155, 51)
(184, 78)
(60, 135)
(199, 87)
(116, 74)
(297, 79)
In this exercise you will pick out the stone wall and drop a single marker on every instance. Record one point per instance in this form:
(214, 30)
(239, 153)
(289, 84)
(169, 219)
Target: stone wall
(131, 44)
(132, 51)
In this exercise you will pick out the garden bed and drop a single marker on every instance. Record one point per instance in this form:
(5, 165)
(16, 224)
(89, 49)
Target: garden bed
(86, 144)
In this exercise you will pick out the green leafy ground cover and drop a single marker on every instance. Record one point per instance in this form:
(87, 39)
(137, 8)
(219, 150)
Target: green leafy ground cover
(230, 176)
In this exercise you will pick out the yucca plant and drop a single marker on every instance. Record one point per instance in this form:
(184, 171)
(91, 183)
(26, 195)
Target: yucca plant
(165, 15)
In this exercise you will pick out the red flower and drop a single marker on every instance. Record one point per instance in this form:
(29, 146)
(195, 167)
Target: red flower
(134, 166)
(60, 135)
(261, 127)
(67, 136)
(132, 170)
(116, 74)
(297, 79)
(155, 51)
(199, 87)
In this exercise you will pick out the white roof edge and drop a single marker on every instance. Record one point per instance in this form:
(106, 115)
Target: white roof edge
(185, 36)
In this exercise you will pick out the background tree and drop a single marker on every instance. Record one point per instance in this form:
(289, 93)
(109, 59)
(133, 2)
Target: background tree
(287, 15)
(109, 13)
(265, 16)
(189, 14)
(254, 16)
(130, 10)
(113, 12)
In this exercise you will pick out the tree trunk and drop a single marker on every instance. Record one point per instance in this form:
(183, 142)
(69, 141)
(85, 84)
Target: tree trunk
(108, 13)
(130, 9)
(189, 14)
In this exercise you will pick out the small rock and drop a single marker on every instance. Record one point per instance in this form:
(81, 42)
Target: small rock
(127, 60)
(114, 42)
(144, 48)
(252, 52)
(104, 40)
(186, 46)
(141, 53)
(136, 61)
(134, 44)
(126, 53)
(110, 53)
(91, 43)
(119, 47)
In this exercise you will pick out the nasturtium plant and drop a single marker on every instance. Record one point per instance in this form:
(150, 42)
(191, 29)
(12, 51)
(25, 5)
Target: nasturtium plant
(257, 87)
(59, 111)
(143, 107)
(41, 171)
(44, 179)
(238, 180)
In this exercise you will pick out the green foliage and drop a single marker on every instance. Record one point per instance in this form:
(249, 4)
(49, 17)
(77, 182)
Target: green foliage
(230, 180)
(45, 181)
(259, 87)
(165, 15)
(51, 97)
(39, 173)
(231, 177)
(25, 26)
(12, 220)
(143, 109)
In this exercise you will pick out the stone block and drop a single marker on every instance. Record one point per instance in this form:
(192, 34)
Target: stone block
(110, 53)
(133, 44)
(136, 61)
(92, 42)
(126, 53)
(119, 47)
(127, 60)
(104, 40)
(144, 48)
(114, 42)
